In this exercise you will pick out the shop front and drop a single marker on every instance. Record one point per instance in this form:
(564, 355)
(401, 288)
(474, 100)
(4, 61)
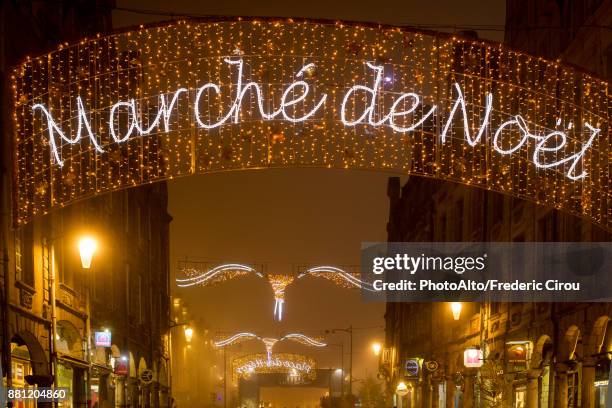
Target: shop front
(602, 375)
(21, 367)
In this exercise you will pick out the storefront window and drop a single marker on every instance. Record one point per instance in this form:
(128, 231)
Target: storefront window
(65, 380)
(20, 365)
(442, 394)
(573, 385)
(601, 393)
(545, 386)
(520, 397)
(601, 383)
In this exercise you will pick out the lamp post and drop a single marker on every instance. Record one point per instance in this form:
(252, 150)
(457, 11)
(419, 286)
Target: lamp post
(188, 332)
(87, 249)
(348, 330)
(341, 346)
(401, 390)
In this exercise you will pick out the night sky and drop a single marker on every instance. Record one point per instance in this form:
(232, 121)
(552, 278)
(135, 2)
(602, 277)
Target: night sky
(293, 216)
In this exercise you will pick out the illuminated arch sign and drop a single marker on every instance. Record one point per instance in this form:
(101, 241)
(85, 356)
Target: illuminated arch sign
(289, 363)
(200, 96)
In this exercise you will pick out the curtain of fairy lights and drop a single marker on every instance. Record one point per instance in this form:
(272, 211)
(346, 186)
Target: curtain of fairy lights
(195, 97)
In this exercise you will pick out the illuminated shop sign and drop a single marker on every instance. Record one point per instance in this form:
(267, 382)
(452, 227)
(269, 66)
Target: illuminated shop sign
(412, 368)
(517, 353)
(103, 339)
(473, 358)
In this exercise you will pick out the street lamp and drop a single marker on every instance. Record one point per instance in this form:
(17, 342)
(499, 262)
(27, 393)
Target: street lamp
(401, 390)
(188, 334)
(456, 309)
(349, 331)
(87, 248)
(376, 347)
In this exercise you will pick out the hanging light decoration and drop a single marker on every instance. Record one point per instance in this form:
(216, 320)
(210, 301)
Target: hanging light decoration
(204, 274)
(155, 103)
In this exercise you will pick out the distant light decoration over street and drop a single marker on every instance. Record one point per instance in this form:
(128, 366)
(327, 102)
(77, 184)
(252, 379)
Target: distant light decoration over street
(217, 274)
(285, 363)
(198, 96)
(339, 276)
(269, 342)
(204, 274)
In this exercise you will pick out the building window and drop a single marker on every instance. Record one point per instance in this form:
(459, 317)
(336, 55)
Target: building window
(573, 387)
(135, 295)
(520, 397)
(24, 255)
(544, 386)
(458, 220)
(442, 394)
(546, 227)
(442, 228)
(494, 307)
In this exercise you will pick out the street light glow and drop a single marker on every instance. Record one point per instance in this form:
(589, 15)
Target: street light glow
(188, 334)
(376, 347)
(456, 309)
(87, 248)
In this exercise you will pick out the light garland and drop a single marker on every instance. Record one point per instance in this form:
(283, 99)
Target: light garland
(236, 338)
(279, 283)
(269, 342)
(369, 112)
(199, 274)
(285, 363)
(338, 276)
(216, 274)
(195, 97)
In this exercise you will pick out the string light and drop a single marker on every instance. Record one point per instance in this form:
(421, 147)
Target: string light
(468, 111)
(218, 273)
(339, 277)
(286, 363)
(199, 274)
(236, 338)
(269, 342)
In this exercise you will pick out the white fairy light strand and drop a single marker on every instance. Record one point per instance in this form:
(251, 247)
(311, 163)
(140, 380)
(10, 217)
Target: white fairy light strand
(215, 272)
(303, 89)
(235, 338)
(269, 342)
(351, 279)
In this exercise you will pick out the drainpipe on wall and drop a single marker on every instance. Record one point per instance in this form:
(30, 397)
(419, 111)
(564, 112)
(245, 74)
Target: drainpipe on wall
(6, 346)
(53, 353)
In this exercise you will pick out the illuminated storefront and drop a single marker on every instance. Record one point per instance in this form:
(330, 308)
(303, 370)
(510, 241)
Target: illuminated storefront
(21, 367)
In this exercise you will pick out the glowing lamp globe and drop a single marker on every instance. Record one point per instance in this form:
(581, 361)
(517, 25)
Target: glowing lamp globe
(188, 334)
(401, 389)
(87, 248)
(376, 347)
(456, 309)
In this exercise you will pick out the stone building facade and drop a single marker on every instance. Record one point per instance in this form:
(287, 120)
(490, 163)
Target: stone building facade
(52, 307)
(538, 355)
(564, 356)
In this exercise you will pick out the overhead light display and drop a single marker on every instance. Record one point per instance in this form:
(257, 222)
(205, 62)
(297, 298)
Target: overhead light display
(205, 274)
(268, 341)
(193, 97)
(289, 363)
